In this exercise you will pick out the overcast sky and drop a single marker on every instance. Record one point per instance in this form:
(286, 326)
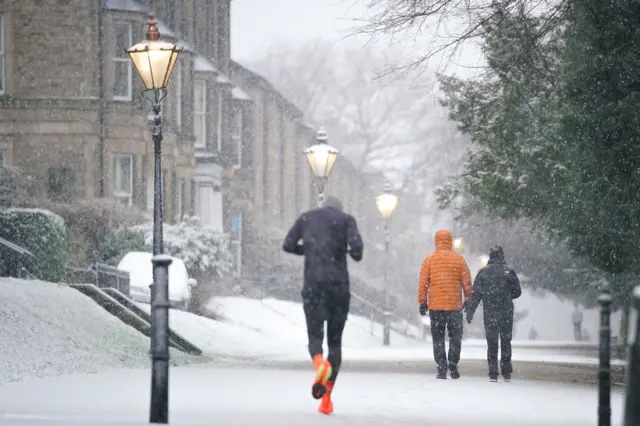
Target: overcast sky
(258, 24)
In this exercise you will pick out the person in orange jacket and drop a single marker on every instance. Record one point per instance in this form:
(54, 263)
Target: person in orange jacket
(444, 277)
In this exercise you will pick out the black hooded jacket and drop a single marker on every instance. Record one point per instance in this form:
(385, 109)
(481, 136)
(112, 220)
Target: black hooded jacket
(496, 286)
(324, 236)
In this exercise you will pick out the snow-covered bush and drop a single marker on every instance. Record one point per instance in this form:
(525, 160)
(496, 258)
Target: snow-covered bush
(204, 250)
(43, 234)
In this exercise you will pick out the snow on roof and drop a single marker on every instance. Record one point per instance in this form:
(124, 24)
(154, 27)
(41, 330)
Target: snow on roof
(223, 78)
(124, 5)
(238, 93)
(202, 64)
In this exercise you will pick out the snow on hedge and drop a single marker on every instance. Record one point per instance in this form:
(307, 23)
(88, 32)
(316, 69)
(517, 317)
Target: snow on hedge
(204, 250)
(49, 329)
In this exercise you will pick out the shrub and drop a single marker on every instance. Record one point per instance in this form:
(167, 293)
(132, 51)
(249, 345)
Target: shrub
(13, 186)
(204, 250)
(43, 234)
(118, 243)
(89, 222)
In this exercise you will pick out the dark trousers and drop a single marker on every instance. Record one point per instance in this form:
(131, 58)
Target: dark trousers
(498, 328)
(577, 331)
(452, 322)
(330, 306)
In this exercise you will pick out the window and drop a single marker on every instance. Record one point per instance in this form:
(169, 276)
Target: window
(122, 62)
(219, 122)
(61, 183)
(178, 80)
(3, 158)
(236, 242)
(199, 113)
(1, 53)
(236, 135)
(123, 179)
(178, 191)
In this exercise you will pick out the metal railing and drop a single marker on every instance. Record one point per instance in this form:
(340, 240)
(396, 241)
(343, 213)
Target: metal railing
(102, 276)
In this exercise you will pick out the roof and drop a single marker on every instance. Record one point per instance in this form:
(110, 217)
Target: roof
(201, 64)
(124, 5)
(264, 84)
(238, 93)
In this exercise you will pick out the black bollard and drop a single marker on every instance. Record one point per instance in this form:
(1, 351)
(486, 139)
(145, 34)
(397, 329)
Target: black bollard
(632, 401)
(604, 372)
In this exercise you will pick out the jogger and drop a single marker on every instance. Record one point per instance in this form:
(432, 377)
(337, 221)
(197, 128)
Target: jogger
(331, 306)
(324, 236)
(450, 321)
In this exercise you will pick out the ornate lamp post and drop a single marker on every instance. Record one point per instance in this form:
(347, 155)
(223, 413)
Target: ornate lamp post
(154, 60)
(321, 158)
(386, 203)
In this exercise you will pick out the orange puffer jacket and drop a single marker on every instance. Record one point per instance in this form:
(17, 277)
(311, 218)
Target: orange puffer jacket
(444, 276)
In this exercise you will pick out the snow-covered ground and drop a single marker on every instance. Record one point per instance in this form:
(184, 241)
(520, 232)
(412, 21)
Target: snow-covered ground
(49, 329)
(210, 395)
(272, 329)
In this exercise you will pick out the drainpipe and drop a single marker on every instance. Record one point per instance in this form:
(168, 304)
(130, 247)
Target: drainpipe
(101, 99)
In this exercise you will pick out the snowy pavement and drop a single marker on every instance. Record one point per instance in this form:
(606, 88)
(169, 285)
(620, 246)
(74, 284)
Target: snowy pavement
(240, 396)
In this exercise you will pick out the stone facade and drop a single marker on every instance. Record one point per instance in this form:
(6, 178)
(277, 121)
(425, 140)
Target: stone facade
(52, 106)
(283, 188)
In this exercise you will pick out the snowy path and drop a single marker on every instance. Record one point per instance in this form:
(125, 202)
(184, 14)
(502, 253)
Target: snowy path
(242, 396)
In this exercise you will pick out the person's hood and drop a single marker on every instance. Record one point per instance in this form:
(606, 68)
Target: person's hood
(496, 254)
(444, 240)
(333, 203)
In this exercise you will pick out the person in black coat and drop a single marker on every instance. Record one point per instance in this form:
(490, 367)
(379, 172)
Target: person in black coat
(324, 236)
(496, 286)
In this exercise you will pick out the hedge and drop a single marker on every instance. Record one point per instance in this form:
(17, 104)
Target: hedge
(43, 234)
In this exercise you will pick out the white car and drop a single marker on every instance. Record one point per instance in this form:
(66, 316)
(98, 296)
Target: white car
(140, 269)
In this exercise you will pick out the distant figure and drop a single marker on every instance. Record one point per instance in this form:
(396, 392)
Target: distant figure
(496, 286)
(577, 318)
(533, 333)
(444, 276)
(324, 236)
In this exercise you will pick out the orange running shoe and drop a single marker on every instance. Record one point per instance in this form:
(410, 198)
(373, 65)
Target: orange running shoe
(323, 372)
(326, 406)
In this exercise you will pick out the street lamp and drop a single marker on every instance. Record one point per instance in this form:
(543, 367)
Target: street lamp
(154, 60)
(458, 244)
(387, 203)
(321, 158)
(484, 259)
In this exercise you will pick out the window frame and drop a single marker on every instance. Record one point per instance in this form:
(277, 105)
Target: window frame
(236, 138)
(236, 242)
(203, 113)
(119, 60)
(3, 79)
(117, 193)
(178, 110)
(178, 200)
(220, 105)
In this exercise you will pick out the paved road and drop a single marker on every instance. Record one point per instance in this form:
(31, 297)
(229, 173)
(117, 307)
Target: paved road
(249, 396)
(526, 370)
